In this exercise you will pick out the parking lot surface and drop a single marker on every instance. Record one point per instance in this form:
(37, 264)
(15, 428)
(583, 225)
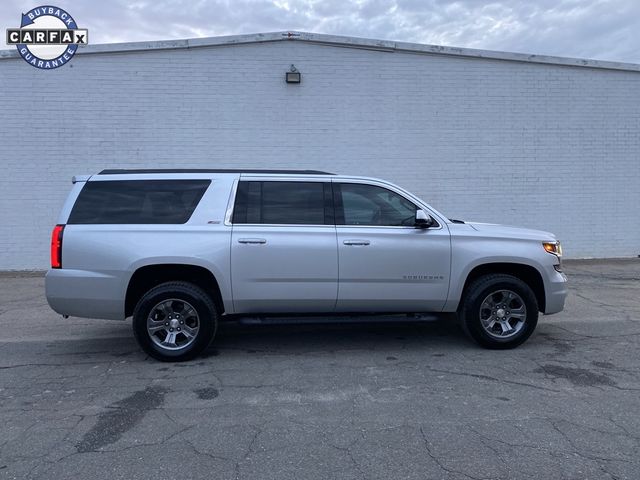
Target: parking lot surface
(78, 399)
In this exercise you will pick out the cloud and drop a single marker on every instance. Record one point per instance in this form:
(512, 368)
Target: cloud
(602, 29)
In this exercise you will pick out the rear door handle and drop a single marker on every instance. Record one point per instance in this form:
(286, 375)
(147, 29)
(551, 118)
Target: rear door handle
(252, 240)
(356, 242)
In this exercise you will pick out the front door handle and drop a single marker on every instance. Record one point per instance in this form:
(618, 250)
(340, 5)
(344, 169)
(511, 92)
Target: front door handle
(356, 242)
(256, 241)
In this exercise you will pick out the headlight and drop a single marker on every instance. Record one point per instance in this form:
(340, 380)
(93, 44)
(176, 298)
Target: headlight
(556, 249)
(553, 247)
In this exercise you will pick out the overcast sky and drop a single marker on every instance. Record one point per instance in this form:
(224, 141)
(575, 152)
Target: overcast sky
(600, 29)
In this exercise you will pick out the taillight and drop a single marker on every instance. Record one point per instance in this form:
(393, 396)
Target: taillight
(56, 246)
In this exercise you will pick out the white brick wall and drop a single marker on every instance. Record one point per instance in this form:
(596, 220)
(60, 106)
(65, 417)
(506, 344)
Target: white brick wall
(543, 146)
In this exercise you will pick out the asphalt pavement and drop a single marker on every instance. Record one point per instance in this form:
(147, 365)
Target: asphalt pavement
(403, 400)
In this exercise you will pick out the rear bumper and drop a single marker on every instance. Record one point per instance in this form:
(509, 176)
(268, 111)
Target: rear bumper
(555, 291)
(82, 293)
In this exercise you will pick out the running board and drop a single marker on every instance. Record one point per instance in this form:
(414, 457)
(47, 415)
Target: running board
(332, 319)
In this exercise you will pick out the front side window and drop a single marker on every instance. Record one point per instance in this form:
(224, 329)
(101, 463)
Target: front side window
(137, 202)
(359, 204)
(285, 203)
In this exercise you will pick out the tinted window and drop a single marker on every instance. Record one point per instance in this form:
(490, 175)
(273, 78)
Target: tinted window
(372, 205)
(298, 203)
(137, 201)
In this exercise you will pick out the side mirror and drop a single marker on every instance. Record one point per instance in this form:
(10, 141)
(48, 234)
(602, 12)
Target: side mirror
(423, 219)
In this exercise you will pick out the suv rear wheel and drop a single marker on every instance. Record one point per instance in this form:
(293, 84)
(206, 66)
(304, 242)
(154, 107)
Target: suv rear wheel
(499, 311)
(175, 321)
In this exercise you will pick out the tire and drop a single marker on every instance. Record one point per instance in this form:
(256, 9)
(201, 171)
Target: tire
(175, 321)
(498, 311)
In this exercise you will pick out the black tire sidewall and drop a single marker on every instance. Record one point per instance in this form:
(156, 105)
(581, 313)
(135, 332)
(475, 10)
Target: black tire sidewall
(476, 295)
(200, 301)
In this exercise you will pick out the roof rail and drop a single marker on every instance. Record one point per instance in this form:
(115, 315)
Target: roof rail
(124, 171)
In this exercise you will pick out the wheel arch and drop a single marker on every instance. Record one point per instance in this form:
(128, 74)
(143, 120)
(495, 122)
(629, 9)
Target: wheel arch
(527, 273)
(146, 277)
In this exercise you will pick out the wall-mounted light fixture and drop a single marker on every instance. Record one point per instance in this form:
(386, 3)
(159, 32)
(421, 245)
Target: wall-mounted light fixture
(293, 75)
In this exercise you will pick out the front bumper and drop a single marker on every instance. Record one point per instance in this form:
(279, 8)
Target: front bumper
(555, 291)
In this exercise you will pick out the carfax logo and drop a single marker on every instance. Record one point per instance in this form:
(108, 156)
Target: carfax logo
(48, 37)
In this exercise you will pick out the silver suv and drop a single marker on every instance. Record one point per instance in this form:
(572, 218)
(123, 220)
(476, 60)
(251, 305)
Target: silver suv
(181, 250)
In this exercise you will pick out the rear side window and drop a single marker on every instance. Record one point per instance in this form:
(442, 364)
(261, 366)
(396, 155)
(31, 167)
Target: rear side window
(137, 201)
(285, 203)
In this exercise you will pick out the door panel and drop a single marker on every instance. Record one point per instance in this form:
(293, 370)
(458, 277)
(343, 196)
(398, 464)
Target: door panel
(281, 269)
(284, 257)
(386, 264)
(389, 269)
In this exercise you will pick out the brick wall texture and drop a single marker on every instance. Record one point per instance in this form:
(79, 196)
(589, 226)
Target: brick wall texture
(542, 146)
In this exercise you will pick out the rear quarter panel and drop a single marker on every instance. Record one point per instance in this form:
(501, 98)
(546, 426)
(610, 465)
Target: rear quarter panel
(99, 260)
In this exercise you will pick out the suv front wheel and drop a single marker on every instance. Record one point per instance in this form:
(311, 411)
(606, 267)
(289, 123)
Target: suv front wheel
(175, 321)
(499, 311)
